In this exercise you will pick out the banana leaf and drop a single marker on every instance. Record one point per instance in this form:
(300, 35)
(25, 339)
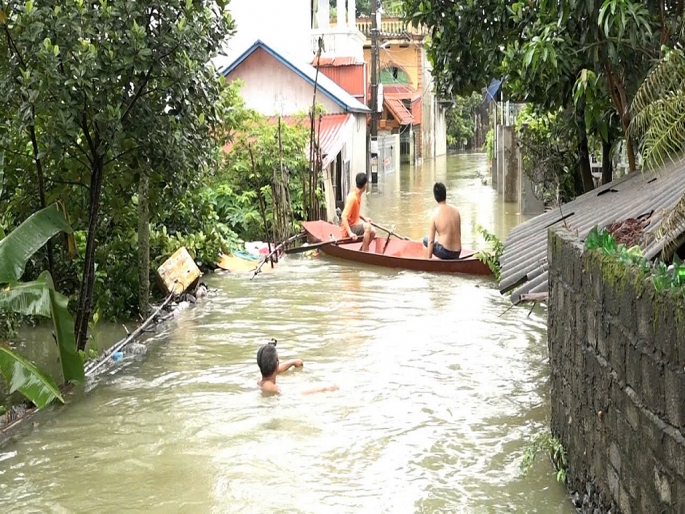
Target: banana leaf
(39, 298)
(18, 247)
(25, 377)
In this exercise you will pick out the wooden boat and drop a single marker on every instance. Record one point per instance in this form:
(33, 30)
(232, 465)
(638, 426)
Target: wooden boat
(398, 254)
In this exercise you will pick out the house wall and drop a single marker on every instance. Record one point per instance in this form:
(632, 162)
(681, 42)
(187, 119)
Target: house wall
(271, 88)
(285, 25)
(404, 58)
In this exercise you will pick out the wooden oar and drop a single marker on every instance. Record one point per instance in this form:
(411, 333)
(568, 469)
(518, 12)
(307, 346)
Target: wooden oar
(389, 231)
(306, 248)
(264, 261)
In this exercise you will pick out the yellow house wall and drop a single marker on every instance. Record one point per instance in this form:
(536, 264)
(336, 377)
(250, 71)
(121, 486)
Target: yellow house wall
(405, 58)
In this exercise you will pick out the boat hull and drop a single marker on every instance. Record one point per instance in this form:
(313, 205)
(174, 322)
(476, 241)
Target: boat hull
(398, 254)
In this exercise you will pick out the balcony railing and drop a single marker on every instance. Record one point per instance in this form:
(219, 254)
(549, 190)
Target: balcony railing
(391, 26)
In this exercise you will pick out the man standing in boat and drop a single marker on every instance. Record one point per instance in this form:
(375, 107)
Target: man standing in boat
(446, 221)
(351, 220)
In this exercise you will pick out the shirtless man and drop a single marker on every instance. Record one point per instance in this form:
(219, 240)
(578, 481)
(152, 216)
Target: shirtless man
(350, 217)
(270, 367)
(446, 221)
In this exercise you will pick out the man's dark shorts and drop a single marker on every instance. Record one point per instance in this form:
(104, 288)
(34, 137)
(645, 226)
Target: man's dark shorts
(440, 251)
(357, 229)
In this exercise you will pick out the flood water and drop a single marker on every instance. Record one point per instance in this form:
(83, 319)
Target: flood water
(440, 390)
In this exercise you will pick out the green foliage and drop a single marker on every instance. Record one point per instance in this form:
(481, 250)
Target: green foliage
(25, 377)
(99, 92)
(18, 247)
(661, 275)
(39, 298)
(461, 125)
(549, 149)
(546, 443)
(489, 145)
(491, 257)
(543, 47)
(659, 110)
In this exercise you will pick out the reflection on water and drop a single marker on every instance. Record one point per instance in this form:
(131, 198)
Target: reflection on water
(440, 387)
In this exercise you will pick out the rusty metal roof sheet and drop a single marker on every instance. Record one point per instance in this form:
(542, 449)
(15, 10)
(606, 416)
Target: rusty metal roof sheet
(652, 195)
(399, 111)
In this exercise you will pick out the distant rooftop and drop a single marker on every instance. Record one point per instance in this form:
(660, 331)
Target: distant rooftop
(307, 72)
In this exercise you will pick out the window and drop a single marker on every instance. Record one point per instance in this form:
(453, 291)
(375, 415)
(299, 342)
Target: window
(394, 75)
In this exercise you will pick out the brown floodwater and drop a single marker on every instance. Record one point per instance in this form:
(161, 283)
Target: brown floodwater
(441, 388)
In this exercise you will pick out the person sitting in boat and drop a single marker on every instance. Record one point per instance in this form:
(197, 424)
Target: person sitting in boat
(446, 221)
(352, 223)
(270, 367)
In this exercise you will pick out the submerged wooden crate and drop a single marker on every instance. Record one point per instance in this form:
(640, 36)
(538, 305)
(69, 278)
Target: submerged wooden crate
(178, 272)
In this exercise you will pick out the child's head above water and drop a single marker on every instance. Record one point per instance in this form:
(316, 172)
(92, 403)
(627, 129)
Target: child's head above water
(267, 359)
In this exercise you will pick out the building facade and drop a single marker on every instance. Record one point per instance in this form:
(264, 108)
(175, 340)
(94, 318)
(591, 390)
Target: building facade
(411, 107)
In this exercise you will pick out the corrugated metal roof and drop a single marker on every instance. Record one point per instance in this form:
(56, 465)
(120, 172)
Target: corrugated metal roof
(351, 78)
(306, 72)
(652, 195)
(398, 110)
(331, 136)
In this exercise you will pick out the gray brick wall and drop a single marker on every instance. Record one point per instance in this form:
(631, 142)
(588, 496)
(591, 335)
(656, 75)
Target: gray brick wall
(617, 358)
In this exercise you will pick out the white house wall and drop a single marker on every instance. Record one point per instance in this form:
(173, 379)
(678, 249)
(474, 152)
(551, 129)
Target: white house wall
(271, 88)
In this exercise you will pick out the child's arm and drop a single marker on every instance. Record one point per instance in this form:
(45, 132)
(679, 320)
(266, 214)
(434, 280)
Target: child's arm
(324, 389)
(289, 364)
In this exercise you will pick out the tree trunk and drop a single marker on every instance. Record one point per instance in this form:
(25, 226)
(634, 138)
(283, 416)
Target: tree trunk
(630, 150)
(41, 193)
(143, 244)
(607, 165)
(85, 298)
(583, 152)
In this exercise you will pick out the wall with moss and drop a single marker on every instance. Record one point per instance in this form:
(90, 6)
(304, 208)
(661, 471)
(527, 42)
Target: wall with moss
(617, 358)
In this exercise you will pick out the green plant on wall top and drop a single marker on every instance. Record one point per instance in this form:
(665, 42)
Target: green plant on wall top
(491, 257)
(660, 274)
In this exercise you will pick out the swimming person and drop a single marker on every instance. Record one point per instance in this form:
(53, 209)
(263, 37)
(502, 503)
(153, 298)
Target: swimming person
(270, 367)
(446, 221)
(350, 220)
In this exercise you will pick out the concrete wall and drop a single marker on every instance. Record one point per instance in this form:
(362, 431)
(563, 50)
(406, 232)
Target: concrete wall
(271, 88)
(618, 382)
(440, 131)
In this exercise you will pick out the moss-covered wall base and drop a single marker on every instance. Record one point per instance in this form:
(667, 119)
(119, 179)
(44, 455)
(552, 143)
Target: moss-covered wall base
(617, 358)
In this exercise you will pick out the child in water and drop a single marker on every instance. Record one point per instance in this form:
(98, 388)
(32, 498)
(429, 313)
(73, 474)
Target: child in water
(270, 366)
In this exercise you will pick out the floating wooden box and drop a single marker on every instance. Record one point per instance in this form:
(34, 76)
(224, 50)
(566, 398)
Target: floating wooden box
(178, 272)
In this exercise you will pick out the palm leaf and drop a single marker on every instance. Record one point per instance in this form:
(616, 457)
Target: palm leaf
(659, 111)
(25, 377)
(39, 298)
(18, 247)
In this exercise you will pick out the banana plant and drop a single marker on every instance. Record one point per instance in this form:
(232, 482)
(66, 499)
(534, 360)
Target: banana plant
(36, 298)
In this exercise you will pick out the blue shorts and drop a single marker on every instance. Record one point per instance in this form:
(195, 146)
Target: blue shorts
(440, 251)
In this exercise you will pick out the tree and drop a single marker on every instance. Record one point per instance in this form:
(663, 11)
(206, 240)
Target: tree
(544, 47)
(112, 88)
(461, 124)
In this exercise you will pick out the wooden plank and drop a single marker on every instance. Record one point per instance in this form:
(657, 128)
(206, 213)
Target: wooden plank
(178, 272)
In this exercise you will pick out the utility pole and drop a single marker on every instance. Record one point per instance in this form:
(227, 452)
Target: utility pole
(374, 90)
